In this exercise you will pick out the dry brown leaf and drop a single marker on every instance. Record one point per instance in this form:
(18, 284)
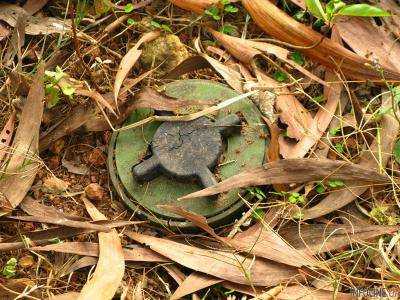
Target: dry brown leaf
(4, 32)
(265, 243)
(42, 237)
(319, 238)
(321, 120)
(231, 76)
(357, 33)
(246, 51)
(11, 289)
(92, 249)
(375, 158)
(129, 60)
(22, 166)
(190, 64)
(66, 296)
(392, 22)
(34, 25)
(306, 293)
(291, 111)
(97, 97)
(278, 24)
(225, 265)
(294, 171)
(194, 282)
(197, 6)
(111, 265)
(33, 6)
(6, 136)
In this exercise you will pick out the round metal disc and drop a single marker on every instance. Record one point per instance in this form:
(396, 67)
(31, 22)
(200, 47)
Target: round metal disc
(242, 151)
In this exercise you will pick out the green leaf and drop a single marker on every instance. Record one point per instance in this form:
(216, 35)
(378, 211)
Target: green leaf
(334, 131)
(334, 183)
(363, 10)
(228, 29)
(213, 12)
(339, 147)
(131, 21)
(52, 95)
(68, 90)
(155, 24)
(396, 151)
(225, 2)
(297, 57)
(300, 16)
(319, 98)
(333, 7)
(315, 7)
(9, 269)
(320, 188)
(128, 8)
(280, 76)
(231, 9)
(258, 214)
(166, 28)
(296, 198)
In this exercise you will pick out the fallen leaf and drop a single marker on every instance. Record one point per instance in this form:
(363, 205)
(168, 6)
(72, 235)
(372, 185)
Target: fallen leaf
(321, 121)
(319, 238)
(306, 293)
(23, 164)
(194, 282)
(75, 168)
(197, 6)
(291, 111)
(92, 249)
(33, 6)
(129, 60)
(34, 25)
(13, 288)
(4, 32)
(45, 236)
(375, 158)
(224, 265)
(392, 22)
(190, 64)
(66, 296)
(294, 171)
(83, 262)
(6, 136)
(265, 243)
(111, 265)
(279, 25)
(54, 185)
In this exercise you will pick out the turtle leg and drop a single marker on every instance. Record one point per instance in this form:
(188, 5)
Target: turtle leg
(206, 177)
(228, 124)
(146, 170)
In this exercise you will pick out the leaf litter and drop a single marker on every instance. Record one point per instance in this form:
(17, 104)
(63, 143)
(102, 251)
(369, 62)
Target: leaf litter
(333, 130)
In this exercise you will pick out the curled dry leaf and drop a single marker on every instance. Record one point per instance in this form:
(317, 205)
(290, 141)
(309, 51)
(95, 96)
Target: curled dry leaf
(129, 60)
(111, 265)
(224, 265)
(92, 249)
(291, 111)
(295, 171)
(6, 136)
(321, 121)
(41, 237)
(278, 24)
(375, 158)
(197, 6)
(266, 243)
(319, 238)
(23, 164)
(34, 25)
(246, 51)
(306, 293)
(194, 282)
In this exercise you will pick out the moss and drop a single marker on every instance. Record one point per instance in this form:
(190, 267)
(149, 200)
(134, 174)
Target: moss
(166, 51)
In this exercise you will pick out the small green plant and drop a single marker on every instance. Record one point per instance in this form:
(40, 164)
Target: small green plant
(339, 147)
(280, 76)
(382, 216)
(131, 22)
(52, 88)
(296, 198)
(334, 131)
(228, 29)
(396, 151)
(335, 183)
(335, 8)
(216, 13)
(319, 99)
(128, 8)
(258, 214)
(297, 57)
(164, 27)
(9, 269)
(256, 192)
(320, 188)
